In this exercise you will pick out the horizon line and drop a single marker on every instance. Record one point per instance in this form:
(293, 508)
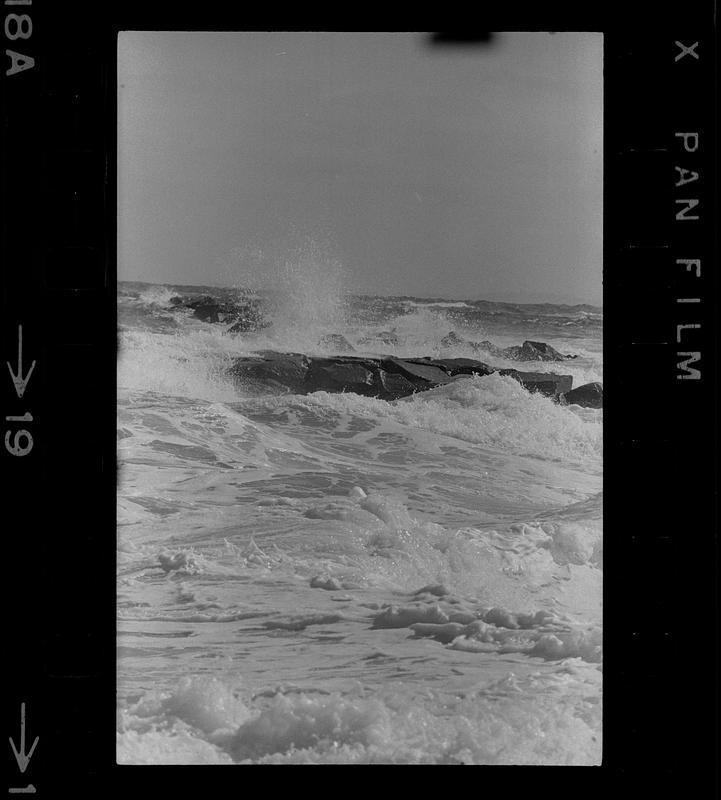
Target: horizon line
(571, 302)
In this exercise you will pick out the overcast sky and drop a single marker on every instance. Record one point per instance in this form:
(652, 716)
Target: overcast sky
(433, 172)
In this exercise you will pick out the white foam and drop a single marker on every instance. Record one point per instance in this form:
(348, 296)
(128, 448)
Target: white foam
(549, 718)
(493, 410)
(192, 365)
(157, 296)
(437, 304)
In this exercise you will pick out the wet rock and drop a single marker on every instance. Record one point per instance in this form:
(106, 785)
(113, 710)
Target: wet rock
(395, 385)
(343, 375)
(533, 351)
(194, 302)
(245, 316)
(528, 351)
(284, 371)
(547, 383)
(207, 312)
(336, 341)
(204, 307)
(417, 370)
(590, 395)
(454, 366)
(452, 339)
(386, 378)
(247, 320)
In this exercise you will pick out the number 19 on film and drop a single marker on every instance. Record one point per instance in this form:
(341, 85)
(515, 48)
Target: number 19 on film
(19, 441)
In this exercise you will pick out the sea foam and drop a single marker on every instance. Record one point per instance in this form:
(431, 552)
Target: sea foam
(492, 410)
(541, 719)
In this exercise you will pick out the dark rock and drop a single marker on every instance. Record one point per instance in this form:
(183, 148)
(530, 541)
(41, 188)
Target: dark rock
(386, 378)
(343, 375)
(204, 307)
(547, 383)
(590, 395)
(454, 366)
(336, 341)
(395, 385)
(415, 370)
(198, 300)
(247, 319)
(528, 351)
(452, 339)
(532, 351)
(242, 326)
(285, 371)
(207, 312)
(245, 316)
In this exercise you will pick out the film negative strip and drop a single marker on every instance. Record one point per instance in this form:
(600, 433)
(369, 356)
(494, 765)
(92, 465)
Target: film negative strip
(57, 314)
(59, 400)
(655, 290)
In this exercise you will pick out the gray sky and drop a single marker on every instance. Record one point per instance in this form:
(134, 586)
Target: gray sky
(462, 174)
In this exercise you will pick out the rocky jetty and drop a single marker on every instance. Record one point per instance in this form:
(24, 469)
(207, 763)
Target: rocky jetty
(386, 378)
(590, 395)
(245, 315)
(528, 351)
(534, 351)
(248, 319)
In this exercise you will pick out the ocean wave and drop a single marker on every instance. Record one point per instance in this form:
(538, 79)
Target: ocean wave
(159, 296)
(330, 578)
(193, 364)
(386, 545)
(437, 304)
(205, 720)
(492, 411)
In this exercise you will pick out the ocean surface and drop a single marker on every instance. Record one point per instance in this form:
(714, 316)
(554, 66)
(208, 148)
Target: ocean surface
(337, 579)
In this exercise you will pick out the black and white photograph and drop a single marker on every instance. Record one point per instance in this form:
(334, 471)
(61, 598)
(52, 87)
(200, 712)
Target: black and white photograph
(359, 398)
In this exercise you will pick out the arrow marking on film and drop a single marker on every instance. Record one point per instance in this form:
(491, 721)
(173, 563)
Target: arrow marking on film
(20, 382)
(22, 759)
